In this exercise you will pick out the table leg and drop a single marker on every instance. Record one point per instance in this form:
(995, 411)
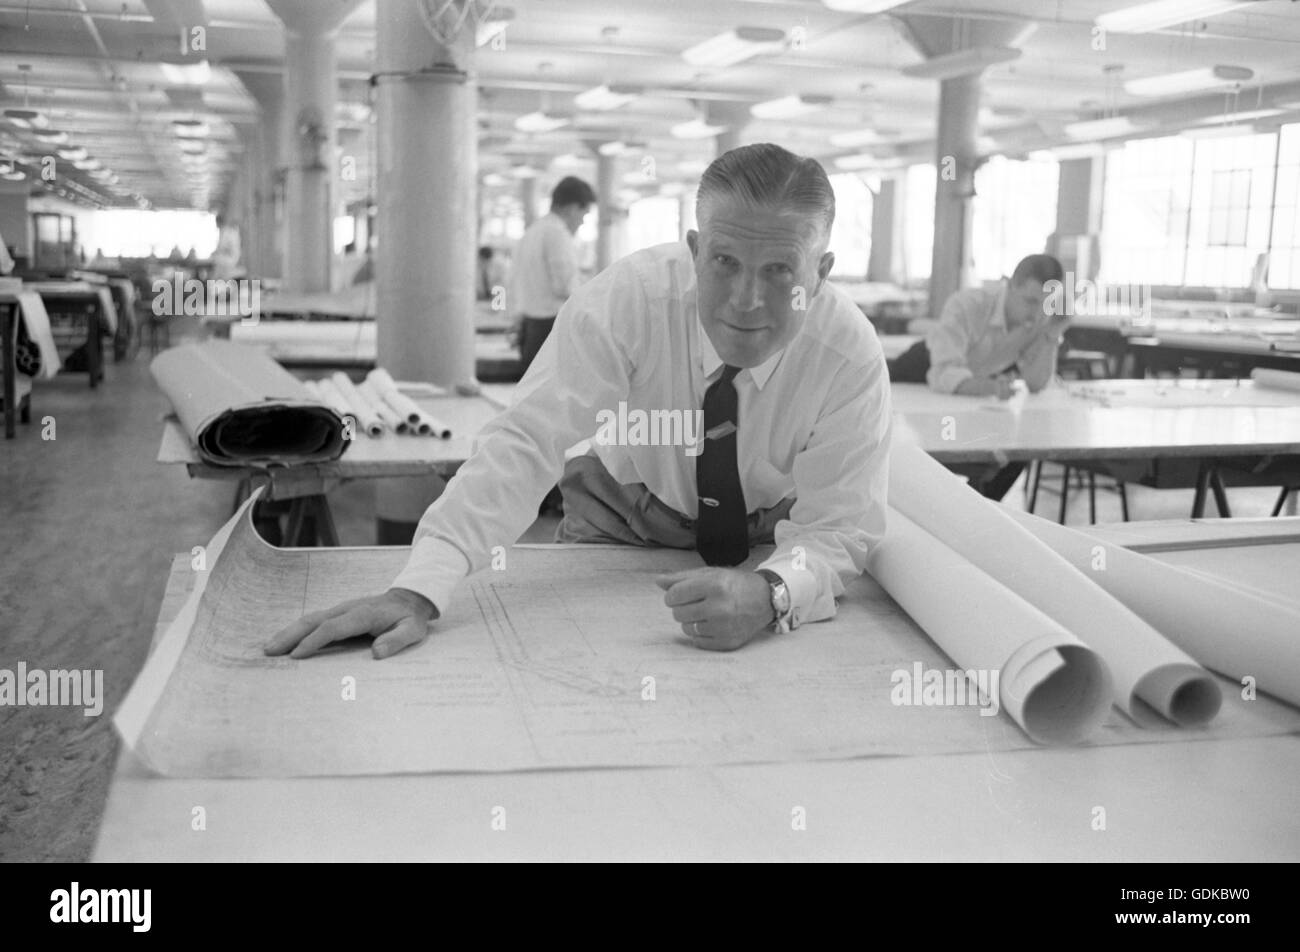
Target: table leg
(1220, 493)
(94, 347)
(1202, 487)
(326, 533)
(8, 327)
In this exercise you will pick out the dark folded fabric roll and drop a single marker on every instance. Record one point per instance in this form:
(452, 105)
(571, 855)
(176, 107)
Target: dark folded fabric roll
(241, 408)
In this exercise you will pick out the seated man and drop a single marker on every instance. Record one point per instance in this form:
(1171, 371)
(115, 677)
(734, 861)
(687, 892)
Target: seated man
(985, 338)
(783, 402)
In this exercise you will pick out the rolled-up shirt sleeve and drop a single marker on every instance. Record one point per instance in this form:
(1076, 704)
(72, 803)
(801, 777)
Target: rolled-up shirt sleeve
(493, 498)
(948, 344)
(841, 482)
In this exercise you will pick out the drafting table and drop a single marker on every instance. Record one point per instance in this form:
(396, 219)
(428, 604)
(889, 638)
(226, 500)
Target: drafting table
(1212, 434)
(1181, 801)
(78, 299)
(390, 454)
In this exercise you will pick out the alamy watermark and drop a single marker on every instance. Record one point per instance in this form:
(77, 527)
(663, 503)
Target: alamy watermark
(637, 427)
(57, 687)
(215, 297)
(951, 687)
(1088, 298)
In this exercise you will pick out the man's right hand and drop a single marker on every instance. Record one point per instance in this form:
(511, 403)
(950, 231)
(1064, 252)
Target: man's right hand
(397, 619)
(1000, 387)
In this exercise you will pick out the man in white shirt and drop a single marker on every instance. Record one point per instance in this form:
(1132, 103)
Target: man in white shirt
(987, 337)
(791, 444)
(546, 264)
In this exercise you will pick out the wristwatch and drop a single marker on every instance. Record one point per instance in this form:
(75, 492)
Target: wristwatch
(782, 608)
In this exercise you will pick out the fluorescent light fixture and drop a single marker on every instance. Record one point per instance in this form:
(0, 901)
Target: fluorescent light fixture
(1245, 115)
(1219, 132)
(605, 98)
(522, 172)
(540, 122)
(1189, 81)
(696, 129)
(494, 180)
(962, 63)
(569, 160)
(86, 165)
(1101, 128)
(189, 128)
(855, 163)
(789, 107)
(855, 139)
(50, 136)
(180, 72)
(862, 6)
(499, 19)
(692, 167)
(10, 173)
(1063, 153)
(735, 46)
(617, 147)
(1162, 13)
(26, 118)
(74, 154)
(191, 147)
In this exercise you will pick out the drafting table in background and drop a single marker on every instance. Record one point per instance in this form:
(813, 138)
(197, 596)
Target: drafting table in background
(1206, 435)
(70, 303)
(1181, 800)
(390, 454)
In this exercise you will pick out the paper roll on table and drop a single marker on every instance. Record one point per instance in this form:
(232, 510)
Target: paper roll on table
(383, 384)
(240, 408)
(1275, 379)
(1221, 624)
(365, 414)
(392, 419)
(1057, 689)
(330, 396)
(1149, 671)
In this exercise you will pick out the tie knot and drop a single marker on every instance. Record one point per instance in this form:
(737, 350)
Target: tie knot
(729, 372)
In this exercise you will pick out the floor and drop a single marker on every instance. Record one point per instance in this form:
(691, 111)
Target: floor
(89, 523)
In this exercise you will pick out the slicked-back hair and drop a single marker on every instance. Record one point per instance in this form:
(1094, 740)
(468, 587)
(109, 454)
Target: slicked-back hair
(766, 175)
(572, 190)
(1039, 269)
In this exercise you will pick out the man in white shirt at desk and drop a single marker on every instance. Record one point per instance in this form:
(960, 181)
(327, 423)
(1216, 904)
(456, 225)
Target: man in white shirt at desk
(782, 394)
(546, 264)
(985, 338)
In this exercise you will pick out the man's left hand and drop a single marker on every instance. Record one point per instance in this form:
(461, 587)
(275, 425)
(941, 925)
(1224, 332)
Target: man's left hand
(719, 609)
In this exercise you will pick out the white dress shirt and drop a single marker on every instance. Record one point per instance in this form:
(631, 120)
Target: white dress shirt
(972, 340)
(814, 422)
(545, 268)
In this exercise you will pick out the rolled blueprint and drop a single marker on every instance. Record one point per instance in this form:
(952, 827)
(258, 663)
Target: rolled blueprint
(392, 419)
(1222, 625)
(1276, 379)
(1057, 689)
(330, 396)
(366, 416)
(1150, 673)
(240, 408)
(422, 421)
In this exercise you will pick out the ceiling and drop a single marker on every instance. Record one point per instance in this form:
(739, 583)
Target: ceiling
(98, 72)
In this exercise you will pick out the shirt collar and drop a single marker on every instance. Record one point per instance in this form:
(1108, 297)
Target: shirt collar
(712, 362)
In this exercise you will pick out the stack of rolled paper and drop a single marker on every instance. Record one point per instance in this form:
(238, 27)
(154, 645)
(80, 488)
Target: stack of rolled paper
(376, 405)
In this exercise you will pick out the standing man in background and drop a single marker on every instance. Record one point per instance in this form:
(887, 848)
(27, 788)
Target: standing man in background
(546, 264)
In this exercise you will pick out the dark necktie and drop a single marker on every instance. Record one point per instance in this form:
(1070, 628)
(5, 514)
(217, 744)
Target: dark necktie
(722, 526)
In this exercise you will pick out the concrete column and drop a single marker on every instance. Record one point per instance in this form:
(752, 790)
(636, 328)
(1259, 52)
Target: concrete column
(265, 243)
(1078, 216)
(955, 157)
(886, 231)
(528, 199)
(735, 117)
(425, 264)
(607, 210)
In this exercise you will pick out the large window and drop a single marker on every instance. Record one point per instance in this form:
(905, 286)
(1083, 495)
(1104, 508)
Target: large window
(1145, 212)
(1013, 214)
(918, 222)
(1284, 264)
(1232, 191)
(851, 233)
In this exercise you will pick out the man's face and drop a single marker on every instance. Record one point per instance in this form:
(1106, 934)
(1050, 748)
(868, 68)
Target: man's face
(1025, 303)
(757, 271)
(573, 215)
